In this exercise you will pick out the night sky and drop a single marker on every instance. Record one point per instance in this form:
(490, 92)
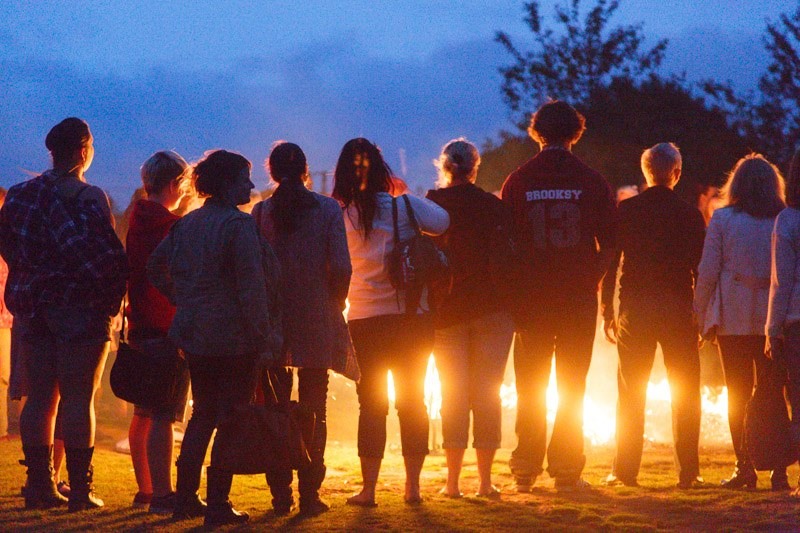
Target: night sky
(196, 75)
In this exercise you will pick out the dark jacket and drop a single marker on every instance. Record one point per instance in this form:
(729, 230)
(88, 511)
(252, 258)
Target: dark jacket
(474, 216)
(660, 241)
(565, 223)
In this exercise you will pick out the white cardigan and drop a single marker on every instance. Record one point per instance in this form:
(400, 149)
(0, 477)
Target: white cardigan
(371, 292)
(732, 287)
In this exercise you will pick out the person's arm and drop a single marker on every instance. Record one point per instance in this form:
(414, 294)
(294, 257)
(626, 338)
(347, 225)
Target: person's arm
(432, 218)
(158, 268)
(709, 270)
(340, 269)
(606, 233)
(609, 285)
(784, 263)
(245, 257)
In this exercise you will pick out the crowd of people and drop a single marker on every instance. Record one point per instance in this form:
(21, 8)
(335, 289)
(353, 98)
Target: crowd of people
(526, 266)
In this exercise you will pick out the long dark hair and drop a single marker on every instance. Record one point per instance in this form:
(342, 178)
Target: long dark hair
(349, 188)
(288, 167)
(793, 182)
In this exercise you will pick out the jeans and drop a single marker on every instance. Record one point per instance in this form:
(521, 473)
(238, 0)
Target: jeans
(566, 329)
(640, 329)
(218, 383)
(791, 356)
(66, 354)
(738, 353)
(471, 358)
(402, 344)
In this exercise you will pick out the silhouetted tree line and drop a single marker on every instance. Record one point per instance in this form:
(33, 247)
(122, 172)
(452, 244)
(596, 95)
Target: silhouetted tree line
(607, 74)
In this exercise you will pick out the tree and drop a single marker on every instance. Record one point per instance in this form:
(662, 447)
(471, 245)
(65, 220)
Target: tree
(569, 65)
(770, 118)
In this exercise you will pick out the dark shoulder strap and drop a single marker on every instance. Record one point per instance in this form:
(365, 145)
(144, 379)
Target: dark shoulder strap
(411, 218)
(394, 221)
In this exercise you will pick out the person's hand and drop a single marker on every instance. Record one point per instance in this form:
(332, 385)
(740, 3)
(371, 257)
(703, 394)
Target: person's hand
(700, 342)
(773, 348)
(610, 330)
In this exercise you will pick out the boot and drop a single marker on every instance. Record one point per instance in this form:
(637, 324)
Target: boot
(280, 485)
(309, 481)
(779, 479)
(40, 490)
(187, 503)
(81, 474)
(743, 476)
(220, 510)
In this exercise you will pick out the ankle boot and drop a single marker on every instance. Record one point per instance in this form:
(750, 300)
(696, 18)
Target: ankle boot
(187, 503)
(279, 480)
(81, 477)
(220, 511)
(779, 479)
(40, 490)
(743, 476)
(309, 481)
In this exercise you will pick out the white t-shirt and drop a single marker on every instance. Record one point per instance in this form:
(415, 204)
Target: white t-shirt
(371, 291)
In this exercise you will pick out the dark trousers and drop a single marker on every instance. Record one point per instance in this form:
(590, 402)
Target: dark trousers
(568, 332)
(791, 336)
(313, 394)
(640, 329)
(401, 344)
(218, 383)
(738, 354)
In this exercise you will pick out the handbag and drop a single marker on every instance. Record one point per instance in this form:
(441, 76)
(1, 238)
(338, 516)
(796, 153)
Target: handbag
(263, 435)
(152, 376)
(414, 263)
(767, 430)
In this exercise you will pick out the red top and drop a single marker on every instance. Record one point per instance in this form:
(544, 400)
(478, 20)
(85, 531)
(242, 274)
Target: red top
(564, 216)
(149, 311)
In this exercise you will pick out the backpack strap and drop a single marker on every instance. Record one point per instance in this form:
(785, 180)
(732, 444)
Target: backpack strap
(411, 218)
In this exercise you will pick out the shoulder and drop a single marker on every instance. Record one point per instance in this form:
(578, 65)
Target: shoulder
(327, 204)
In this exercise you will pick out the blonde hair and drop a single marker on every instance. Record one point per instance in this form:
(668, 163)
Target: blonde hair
(459, 160)
(755, 186)
(659, 162)
(161, 169)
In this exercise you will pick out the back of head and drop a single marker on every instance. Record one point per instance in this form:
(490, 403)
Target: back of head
(286, 161)
(458, 162)
(659, 163)
(66, 137)
(161, 169)
(793, 182)
(361, 173)
(216, 172)
(756, 187)
(557, 123)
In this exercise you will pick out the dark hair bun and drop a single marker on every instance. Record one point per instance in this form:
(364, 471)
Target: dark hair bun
(67, 136)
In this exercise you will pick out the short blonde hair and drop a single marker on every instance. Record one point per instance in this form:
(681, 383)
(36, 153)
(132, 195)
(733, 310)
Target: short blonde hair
(161, 169)
(460, 160)
(659, 162)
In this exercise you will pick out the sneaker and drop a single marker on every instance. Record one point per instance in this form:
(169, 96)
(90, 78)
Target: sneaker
(63, 488)
(523, 485)
(572, 484)
(313, 508)
(613, 481)
(690, 484)
(163, 504)
(141, 500)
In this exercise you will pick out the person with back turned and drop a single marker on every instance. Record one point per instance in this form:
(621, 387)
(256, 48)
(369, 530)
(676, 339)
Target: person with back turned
(660, 239)
(564, 215)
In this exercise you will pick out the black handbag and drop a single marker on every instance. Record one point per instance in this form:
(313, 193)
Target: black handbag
(414, 263)
(767, 430)
(264, 434)
(153, 376)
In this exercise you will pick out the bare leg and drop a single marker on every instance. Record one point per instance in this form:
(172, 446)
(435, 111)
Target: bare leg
(370, 467)
(160, 444)
(485, 460)
(413, 469)
(455, 459)
(137, 437)
(58, 458)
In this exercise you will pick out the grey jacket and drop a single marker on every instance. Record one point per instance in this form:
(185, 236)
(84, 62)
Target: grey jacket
(733, 280)
(784, 293)
(315, 275)
(210, 267)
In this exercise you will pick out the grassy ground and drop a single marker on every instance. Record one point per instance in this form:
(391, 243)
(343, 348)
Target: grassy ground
(655, 506)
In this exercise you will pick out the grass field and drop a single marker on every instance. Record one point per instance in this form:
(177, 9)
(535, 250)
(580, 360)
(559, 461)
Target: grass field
(655, 506)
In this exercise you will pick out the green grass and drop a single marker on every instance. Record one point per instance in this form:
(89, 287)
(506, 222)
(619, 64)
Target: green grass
(657, 505)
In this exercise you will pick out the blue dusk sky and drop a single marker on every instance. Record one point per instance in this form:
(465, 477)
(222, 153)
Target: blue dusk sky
(408, 74)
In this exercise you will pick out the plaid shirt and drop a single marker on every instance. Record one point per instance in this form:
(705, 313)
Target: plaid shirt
(59, 251)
